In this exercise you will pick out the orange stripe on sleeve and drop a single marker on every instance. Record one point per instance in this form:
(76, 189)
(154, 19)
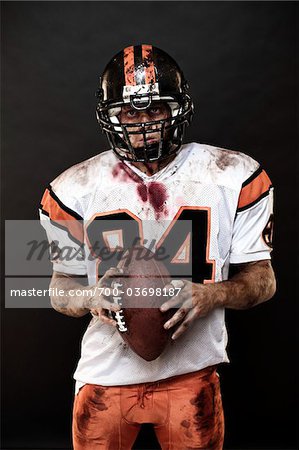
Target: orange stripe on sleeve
(147, 57)
(253, 190)
(129, 66)
(63, 218)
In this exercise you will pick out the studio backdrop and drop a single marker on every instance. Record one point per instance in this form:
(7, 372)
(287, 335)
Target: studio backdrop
(239, 59)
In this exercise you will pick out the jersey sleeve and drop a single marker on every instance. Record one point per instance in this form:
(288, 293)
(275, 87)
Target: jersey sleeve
(65, 233)
(253, 225)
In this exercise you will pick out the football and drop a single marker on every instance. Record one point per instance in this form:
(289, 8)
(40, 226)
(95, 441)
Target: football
(140, 291)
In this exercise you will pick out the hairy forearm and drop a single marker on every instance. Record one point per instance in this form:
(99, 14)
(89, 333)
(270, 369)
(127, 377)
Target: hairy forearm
(253, 284)
(68, 304)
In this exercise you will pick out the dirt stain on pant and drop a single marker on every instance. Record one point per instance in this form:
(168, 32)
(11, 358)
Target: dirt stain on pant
(208, 418)
(186, 425)
(98, 400)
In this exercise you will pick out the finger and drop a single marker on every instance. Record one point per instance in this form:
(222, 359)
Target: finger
(181, 329)
(177, 300)
(177, 283)
(113, 271)
(177, 317)
(174, 302)
(187, 322)
(110, 306)
(110, 273)
(105, 304)
(103, 317)
(174, 284)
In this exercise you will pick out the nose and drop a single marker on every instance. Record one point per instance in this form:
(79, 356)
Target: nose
(144, 117)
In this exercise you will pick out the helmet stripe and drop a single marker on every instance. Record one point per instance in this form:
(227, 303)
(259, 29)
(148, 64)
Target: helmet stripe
(139, 66)
(129, 69)
(147, 57)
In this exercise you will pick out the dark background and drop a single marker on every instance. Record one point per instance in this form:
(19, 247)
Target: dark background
(239, 58)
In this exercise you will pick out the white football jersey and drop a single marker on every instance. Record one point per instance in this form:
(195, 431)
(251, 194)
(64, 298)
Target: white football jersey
(227, 196)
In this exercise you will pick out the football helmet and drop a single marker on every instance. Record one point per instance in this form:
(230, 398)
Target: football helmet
(140, 76)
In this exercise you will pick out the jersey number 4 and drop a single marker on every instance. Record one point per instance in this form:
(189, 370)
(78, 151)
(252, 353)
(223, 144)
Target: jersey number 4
(183, 247)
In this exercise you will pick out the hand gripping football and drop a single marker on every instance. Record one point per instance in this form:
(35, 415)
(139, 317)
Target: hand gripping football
(140, 293)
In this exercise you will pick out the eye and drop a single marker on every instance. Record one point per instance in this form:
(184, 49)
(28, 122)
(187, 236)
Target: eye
(131, 113)
(155, 110)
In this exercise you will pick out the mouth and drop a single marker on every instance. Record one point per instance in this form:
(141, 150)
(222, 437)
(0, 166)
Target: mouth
(148, 141)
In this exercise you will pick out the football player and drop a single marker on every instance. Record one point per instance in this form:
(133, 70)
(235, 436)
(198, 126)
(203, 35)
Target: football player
(150, 176)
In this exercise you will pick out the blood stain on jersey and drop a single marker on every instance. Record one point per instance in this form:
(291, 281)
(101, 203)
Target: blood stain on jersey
(142, 192)
(124, 173)
(154, 192)
(157, 197)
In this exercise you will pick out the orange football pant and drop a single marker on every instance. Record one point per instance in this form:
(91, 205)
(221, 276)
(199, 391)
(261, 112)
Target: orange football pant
(186, 412)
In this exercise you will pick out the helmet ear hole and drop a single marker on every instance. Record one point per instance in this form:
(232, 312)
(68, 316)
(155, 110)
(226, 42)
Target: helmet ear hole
(141, 76)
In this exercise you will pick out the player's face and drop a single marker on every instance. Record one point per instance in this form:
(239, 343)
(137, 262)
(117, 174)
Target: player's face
(156, 112)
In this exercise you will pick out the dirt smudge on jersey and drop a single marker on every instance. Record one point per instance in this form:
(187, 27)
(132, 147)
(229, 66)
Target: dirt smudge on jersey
(123, 345)
(81, 174)
(226, 158)
(174, 170)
